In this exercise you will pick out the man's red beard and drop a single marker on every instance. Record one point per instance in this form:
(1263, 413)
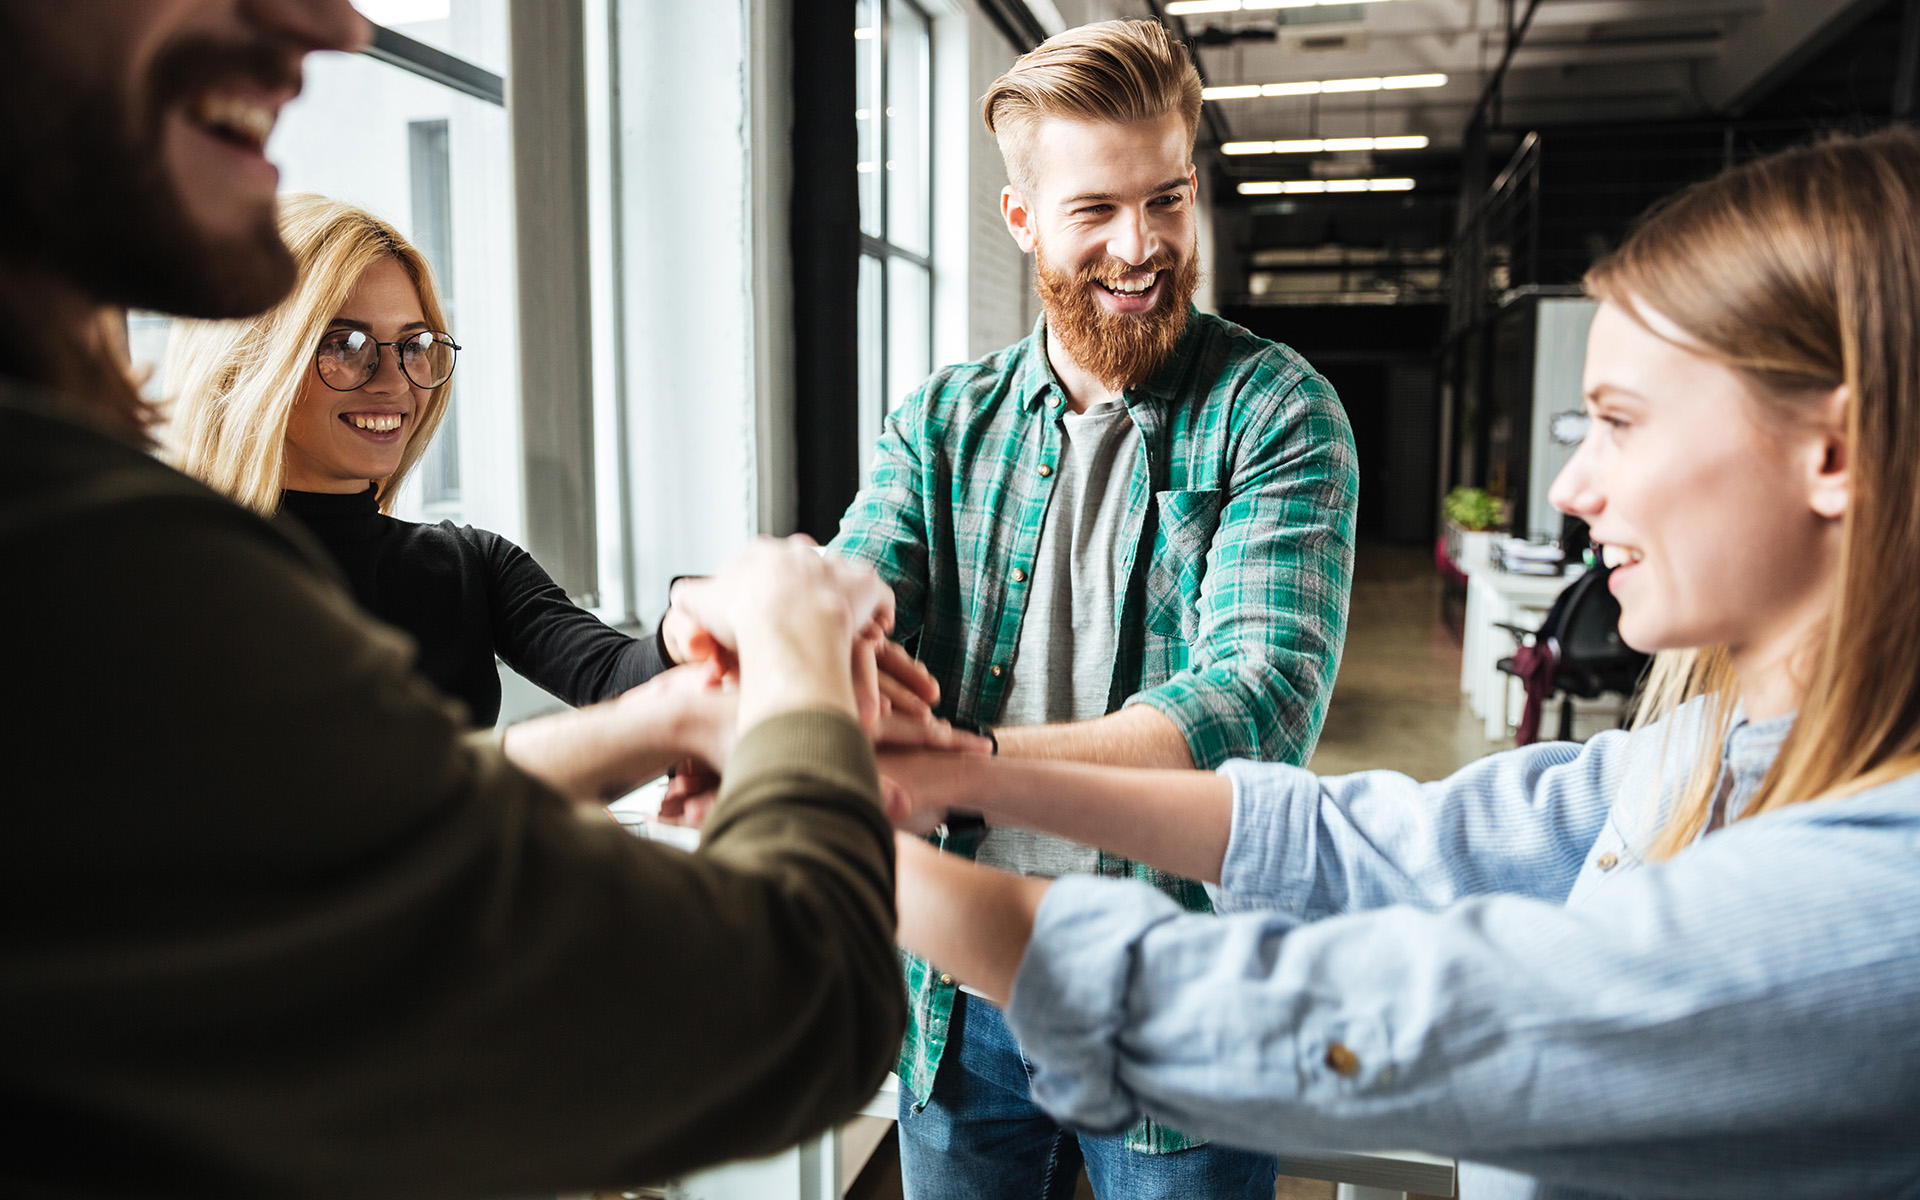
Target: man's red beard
(1120, 350)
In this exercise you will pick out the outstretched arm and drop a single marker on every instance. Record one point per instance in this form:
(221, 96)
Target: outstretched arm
(1140, 736)
(1178, 821)
(973, 921)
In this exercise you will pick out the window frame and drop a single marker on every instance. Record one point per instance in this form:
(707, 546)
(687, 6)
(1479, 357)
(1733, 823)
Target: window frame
(882, 248)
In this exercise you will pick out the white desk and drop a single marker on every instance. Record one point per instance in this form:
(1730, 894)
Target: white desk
(1494, 597)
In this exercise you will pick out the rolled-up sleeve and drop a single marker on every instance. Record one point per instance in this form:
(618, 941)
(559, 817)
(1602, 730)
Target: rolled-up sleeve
(1519, 822)
(1725, 1024)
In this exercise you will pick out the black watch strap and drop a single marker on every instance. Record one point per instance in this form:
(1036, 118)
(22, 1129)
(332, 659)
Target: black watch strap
(976, 728)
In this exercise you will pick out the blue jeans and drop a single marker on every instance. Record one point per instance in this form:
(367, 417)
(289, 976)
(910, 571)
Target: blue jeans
(981, 1137)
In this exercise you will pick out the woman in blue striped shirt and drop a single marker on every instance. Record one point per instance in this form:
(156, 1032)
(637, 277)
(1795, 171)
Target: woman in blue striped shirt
(1679, 961)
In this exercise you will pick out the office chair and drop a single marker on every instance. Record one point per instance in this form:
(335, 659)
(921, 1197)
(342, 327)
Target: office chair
(1577, 651)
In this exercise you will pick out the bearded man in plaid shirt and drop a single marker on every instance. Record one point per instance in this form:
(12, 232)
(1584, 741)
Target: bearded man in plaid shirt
(1127, 539)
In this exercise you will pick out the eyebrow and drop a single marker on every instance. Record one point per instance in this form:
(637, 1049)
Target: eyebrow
(362, 326)
(1594, 394)
(1158, 191)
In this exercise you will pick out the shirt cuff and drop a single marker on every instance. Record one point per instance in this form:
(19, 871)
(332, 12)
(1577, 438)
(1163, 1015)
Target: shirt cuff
(1069, 1004)
(1270, 863)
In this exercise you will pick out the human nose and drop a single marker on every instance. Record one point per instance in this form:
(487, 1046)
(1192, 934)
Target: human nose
(312, 24)
(1132, 239)
(1576, 489)
(387, 378)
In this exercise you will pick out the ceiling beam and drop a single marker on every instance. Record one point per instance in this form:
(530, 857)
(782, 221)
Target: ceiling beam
(1762, 52)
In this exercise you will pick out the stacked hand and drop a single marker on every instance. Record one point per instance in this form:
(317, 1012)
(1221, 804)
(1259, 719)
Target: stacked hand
(793, 628)
(698, 627)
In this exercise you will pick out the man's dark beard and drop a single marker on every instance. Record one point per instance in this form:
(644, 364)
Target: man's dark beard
(1120, 351)
(89, 202)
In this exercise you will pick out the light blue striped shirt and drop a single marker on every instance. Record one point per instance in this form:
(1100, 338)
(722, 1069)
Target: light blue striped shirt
(1486, 967)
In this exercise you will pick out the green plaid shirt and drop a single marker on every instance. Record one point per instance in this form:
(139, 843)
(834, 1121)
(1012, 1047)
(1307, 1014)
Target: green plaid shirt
(1239, 556)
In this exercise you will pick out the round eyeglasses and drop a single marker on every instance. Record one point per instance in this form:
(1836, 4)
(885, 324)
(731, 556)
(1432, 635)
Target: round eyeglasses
(348, 358)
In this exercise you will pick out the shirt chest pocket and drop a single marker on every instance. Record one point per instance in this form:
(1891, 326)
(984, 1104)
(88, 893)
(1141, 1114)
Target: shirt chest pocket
(1188, 519)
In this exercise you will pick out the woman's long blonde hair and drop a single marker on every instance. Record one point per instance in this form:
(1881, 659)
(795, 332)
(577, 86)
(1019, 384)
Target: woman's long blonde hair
(233, 384)
(1801, 271)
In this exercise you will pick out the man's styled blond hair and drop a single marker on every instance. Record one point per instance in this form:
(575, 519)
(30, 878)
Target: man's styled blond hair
(1121, 71)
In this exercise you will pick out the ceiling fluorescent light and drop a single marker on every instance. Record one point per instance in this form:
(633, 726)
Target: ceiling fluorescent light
(1314, 187)
(1325, 145)
(1312, 87)
(1181, 8)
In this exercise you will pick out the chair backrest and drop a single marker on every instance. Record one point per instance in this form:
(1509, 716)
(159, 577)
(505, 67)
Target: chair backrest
(1584, 624)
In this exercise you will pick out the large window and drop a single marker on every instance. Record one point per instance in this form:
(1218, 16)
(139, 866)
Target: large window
(894, 67)
(431, 157)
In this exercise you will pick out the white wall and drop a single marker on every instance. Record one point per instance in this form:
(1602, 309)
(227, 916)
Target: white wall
(1001, 306)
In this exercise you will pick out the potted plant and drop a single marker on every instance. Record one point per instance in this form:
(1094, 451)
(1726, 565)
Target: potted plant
(1472, 515)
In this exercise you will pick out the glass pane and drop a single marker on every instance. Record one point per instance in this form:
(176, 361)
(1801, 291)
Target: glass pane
(908, 163)
(435, 163)
(873, 399)
(430, 161)
(909, 329)
(475, 30)
(147, 350)
(868, 45)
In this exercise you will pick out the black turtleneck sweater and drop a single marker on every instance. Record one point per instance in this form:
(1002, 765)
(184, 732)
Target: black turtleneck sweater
(466, 595)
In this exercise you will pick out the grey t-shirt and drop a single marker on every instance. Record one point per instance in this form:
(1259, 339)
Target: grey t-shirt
(1063, 664)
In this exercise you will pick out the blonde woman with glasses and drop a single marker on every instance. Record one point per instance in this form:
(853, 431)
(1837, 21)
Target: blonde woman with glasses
(1677, 961)
(321, 406)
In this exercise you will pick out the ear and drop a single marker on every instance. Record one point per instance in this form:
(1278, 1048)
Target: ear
(1019, 218)
(1829, 460)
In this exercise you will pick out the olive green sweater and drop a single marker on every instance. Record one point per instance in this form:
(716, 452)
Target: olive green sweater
(272, 924)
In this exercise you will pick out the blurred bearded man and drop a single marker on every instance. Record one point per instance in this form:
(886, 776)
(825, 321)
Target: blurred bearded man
(1126, 540)
(272, 923)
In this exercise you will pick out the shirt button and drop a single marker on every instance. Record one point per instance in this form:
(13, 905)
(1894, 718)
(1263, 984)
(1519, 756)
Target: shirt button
(1019, 576)
(995, 671)
(1607, 861)
(1045, 470)
(1054, 401)
(1342, 1061)
(946, 981)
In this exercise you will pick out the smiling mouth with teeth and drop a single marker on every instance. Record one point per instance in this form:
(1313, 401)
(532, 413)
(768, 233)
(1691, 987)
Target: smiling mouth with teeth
(1618, 556)
(237, 119)
(375, 422)
(1131, 289)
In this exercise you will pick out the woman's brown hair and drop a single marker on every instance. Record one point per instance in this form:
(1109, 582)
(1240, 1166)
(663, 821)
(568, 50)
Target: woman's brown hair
(1801, 272)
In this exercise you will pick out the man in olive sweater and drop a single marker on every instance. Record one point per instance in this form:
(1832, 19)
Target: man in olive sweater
(273, 924)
